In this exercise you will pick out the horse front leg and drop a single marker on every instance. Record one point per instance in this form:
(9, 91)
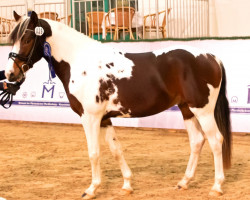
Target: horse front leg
(91, 124)
(115, 147)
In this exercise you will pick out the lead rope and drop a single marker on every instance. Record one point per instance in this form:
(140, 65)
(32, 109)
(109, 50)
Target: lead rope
(7, 97)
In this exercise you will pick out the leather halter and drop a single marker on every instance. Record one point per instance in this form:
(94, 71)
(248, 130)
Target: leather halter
(29, 63)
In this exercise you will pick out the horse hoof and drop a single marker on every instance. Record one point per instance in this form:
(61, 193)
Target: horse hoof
(181, 187)
(126, 192)
(215, 193)
(87, 196)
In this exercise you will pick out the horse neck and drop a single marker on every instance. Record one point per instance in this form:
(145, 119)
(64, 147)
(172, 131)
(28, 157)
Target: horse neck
(67, 43)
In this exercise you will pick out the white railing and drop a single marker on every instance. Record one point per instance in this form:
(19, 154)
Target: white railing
(7, 21)
(151, 19)
(55, 10)
(188, 18)
(119, 19)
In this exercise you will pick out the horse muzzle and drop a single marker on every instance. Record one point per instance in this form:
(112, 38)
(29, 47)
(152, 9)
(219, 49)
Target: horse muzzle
(12, 77)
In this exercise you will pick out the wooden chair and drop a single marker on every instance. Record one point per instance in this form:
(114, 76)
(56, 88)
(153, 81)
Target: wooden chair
(62, 19)
(95, 20)
(49, 15)
(123, 21)
(6, 26)
(152, 19)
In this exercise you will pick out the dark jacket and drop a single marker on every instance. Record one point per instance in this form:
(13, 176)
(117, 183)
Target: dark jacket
(2, 77)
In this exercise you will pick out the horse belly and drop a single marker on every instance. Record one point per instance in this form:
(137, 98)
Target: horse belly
(142, 105)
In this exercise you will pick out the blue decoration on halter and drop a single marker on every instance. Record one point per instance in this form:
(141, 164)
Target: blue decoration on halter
(47, 54)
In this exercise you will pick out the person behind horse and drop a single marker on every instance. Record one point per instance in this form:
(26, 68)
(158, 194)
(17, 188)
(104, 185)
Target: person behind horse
(8, 87)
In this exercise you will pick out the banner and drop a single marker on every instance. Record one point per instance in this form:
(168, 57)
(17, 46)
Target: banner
(43, 99)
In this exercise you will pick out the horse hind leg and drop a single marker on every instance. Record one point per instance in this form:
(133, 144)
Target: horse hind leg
(196, 140)
(209, 126)
(215, 140)
(111, 139)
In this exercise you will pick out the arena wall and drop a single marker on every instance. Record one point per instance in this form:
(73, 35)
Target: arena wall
(44, 100)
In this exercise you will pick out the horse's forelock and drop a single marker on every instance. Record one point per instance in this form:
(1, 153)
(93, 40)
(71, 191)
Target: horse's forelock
(19, 30)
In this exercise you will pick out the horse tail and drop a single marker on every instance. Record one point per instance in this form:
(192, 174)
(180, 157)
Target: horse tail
(222, 118)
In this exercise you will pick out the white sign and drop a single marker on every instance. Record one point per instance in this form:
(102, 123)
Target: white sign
(42, 99)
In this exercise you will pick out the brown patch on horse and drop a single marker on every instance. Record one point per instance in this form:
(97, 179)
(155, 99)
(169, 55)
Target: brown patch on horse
(106, 89)
(209, 70)
(97, 99)
(159, 82)
(186, 112)
(110, 114)
(110, 65)
(62, 70)
(106, 123)
(107, 65)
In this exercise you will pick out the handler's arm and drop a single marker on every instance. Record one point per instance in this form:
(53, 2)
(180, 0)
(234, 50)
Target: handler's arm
(2, 75)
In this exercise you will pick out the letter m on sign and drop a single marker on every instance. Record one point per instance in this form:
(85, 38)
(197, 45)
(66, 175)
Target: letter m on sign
(45, 89)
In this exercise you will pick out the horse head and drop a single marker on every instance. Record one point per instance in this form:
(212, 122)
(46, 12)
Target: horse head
(27, 38)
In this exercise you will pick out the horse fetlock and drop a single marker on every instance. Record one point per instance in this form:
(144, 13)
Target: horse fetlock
(96, 184)
(90, 192)
(127, 184)
(219, 180)
(183, 184)
(126, 188)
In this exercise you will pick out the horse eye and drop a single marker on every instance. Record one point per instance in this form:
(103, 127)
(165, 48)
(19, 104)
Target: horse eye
(27, 41)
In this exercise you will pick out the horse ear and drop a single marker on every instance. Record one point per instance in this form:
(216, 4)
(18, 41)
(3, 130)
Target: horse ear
(16, 16)
(33, 18)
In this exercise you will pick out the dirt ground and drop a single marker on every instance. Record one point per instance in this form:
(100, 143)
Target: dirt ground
(50, 161)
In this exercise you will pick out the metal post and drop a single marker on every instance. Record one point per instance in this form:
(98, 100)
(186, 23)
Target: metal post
(157, 18)
(73, 14)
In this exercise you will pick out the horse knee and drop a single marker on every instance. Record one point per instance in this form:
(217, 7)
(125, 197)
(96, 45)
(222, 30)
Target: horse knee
(94, 157)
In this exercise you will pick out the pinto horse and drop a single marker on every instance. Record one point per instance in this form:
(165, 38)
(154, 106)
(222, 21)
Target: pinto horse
(102, 83)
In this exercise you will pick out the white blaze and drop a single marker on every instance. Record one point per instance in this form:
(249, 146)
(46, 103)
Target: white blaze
(10, 64)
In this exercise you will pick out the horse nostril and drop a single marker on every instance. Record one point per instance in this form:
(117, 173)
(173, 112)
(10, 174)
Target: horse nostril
(12, 77)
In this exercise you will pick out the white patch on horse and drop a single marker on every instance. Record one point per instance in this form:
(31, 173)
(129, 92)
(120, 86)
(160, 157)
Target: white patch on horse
(90, 57)
(193, 50)
(85, 53)
(209, 107)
